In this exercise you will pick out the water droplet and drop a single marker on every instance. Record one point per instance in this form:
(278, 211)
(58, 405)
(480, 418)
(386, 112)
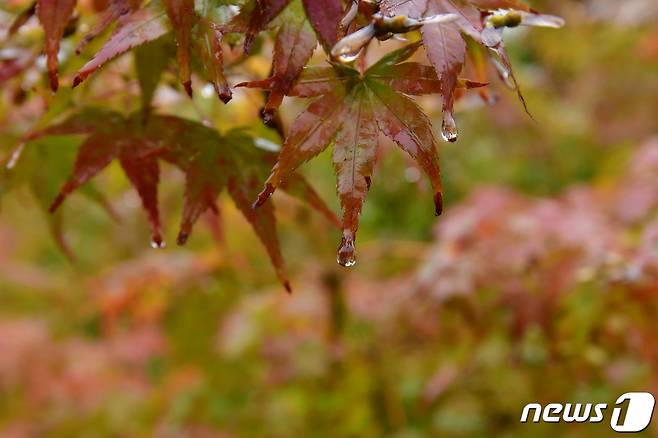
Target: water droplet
(267, 115)
(346, 58)
(505, 74)
(347, 253)
(157, 242)
(449, 130)
(491, 37)
(350, 47)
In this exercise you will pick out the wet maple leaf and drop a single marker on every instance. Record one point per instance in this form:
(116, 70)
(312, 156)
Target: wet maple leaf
(300, 24)
(134, 29)
(115, 10)
(351, 111)
(256, 15)
(182, 16)
(324, 16)
(211, 162)
(54, 15)
(43, 185)
(208, 46)
(294, 46)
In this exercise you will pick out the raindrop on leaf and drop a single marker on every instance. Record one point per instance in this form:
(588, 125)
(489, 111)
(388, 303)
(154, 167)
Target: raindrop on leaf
(449, 130)
(347, 253)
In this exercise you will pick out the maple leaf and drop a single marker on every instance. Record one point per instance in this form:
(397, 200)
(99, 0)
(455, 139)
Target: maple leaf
(256, 15)
(134, 29)
(324, 15)
(114, 10)
(294, 43)
(43, 185)
(208, 45)
(110, 136)
(350, 112)
(443, 42)
(294, 46)
(54, 15)
(299, 23)
(151, 60)
(210, 161)
(181, 14)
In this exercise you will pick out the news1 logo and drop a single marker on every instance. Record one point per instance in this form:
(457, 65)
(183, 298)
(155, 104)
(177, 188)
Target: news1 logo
(632, 412)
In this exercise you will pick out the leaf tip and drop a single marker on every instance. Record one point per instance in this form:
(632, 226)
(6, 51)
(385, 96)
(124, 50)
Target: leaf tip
(264, 196)
(225, 97)
(157, 242)
(54, 82)
(57, 203)
(182, 238)
(187, 85)
(438, 204)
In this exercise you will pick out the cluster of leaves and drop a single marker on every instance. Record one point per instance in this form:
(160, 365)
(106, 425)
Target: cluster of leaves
(196, 150)
(354, 103)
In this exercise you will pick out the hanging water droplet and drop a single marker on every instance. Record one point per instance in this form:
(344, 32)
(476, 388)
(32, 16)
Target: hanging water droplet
(346, 58)
(347, 253)
(449, 130)
(157, 242)
(505, 74)
(491, 37)
(350, 47)
(267, 114)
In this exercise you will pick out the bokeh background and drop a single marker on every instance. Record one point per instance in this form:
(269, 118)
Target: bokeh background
(539, 284)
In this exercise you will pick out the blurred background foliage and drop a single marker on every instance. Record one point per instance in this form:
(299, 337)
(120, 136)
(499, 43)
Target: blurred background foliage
(540, 283)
